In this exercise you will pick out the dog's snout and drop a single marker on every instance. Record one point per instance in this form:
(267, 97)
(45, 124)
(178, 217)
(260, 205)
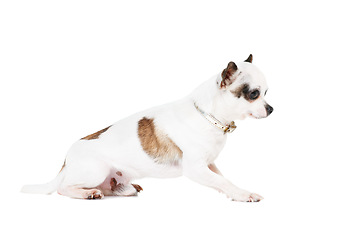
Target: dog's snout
(269, 109)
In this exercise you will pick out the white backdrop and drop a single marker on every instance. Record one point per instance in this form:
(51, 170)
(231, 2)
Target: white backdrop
(70, 68)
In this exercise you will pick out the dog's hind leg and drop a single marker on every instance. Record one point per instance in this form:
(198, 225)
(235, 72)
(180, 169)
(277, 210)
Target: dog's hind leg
(117, 183)
(115, 188)
(83, 178)
(124, 190)
(76, 192)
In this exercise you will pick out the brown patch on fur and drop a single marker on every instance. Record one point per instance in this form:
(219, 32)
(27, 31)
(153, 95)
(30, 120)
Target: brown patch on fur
(214, 169)
(95, 135)
(63, 166)
(157, 144)
(249, 59)
(227, 74)
(119, 173)
(113, 184)
(137, 187)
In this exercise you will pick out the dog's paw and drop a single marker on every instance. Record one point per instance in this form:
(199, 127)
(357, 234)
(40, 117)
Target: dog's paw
(94, 194)
(137, 187)
(255, 198)
(247, 197)
(126, 190)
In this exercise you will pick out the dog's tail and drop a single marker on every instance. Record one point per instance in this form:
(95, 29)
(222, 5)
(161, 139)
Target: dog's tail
(46, 188)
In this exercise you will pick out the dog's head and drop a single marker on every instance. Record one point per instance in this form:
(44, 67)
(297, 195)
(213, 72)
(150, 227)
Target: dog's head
(243, 89)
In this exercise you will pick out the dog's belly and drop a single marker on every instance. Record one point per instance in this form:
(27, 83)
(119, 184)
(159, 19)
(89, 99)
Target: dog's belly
(151, 169)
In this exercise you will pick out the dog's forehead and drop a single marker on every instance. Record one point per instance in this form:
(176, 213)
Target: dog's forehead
(252, 76)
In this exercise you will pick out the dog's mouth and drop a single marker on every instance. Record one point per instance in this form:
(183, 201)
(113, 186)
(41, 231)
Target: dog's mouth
(253, 116)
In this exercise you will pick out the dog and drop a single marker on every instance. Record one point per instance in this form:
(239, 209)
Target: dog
(181, 138)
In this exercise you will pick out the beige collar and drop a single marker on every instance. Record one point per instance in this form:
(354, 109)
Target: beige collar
(229, 128)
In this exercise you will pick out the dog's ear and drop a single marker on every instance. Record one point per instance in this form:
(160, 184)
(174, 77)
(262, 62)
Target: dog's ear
(249, 59)
(228, 75)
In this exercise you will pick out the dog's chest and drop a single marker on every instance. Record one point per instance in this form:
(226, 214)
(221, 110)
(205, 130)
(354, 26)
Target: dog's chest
(212, 146)
(217, 148)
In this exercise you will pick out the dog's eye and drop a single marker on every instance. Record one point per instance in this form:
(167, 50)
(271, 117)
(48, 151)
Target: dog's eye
(254, 94)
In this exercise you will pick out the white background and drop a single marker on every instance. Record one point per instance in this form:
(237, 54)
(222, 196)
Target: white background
(70, 68)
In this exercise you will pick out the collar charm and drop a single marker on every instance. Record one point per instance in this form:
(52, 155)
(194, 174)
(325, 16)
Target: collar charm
(226, 128)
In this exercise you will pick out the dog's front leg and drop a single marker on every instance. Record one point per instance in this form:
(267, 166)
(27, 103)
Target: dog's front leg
(208, 176)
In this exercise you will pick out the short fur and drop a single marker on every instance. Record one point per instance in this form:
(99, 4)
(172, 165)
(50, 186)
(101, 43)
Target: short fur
(165, 141)
(157, 144)
(95, 135)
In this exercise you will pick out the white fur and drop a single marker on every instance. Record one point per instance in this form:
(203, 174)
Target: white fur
(90, 162)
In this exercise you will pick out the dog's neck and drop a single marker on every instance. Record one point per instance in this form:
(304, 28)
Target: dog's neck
(208, 98)
(226, 128)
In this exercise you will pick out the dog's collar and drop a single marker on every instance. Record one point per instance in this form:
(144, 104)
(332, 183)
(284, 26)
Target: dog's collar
(229, 128)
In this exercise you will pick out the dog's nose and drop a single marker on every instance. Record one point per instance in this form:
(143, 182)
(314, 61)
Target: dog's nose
(269, 109)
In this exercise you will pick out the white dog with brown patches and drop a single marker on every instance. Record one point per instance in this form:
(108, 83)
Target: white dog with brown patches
(180, 138)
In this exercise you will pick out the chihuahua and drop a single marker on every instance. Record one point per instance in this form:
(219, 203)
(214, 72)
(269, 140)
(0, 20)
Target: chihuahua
(180, 138)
